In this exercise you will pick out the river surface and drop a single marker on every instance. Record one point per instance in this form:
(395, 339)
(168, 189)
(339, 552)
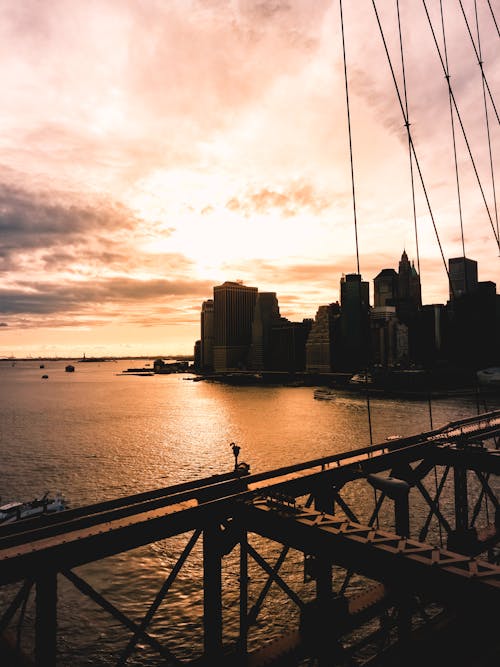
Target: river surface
(97, 434)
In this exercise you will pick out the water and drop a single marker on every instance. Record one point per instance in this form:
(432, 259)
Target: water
(96, 434)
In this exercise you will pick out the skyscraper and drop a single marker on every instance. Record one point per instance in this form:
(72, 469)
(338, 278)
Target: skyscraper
(288, 345)
(389, 337)
(409, 301)
(321, 340)
(385, 286)
(409, 291)
(234, 306)
(207, 335)
(355, 306)
(267, 313)
(463, 276)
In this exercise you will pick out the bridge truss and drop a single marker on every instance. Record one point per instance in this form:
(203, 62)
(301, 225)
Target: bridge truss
(373, 556)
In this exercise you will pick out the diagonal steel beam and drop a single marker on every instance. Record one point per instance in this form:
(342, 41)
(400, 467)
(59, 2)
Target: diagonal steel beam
(88, 590)
(433, 505)
(345, 507)
(20, 596)
(159, 598)
(254, 611)
(275, 576)
(487, 489)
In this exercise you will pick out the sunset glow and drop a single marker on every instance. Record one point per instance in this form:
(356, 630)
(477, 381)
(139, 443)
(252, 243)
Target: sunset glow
(150, 151)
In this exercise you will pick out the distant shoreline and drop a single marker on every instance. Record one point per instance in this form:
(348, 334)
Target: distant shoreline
(180, 357)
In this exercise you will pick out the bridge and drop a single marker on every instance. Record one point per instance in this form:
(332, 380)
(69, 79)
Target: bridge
(422, 541)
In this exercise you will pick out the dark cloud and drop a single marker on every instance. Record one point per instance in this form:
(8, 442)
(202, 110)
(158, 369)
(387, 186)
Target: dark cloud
(83, 297)
(31, 221)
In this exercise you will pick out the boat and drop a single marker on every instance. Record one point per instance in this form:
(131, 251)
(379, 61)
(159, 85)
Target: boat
(69, 369)
(489, 377)
(16, 511)
(45, 377)
(361, 378)
(324, 394)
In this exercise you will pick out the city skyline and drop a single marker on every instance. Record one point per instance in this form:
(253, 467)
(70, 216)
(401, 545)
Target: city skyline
(150, 153)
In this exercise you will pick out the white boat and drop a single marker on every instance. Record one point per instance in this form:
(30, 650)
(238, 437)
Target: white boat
(361, 378)
(15, 511)
(324, 394)
(489, 376)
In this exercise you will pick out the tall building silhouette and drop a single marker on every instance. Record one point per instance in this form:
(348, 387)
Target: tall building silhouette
(433, 334)
(266, 314)
(463, 276)
(409, 297)
(207, 335)
(475, 324)
(355, 306)
(288, 345)
(389, 337)
(234, 305)
(385, 287)
(320, 342)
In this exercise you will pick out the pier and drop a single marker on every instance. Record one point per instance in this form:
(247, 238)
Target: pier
(365, 514)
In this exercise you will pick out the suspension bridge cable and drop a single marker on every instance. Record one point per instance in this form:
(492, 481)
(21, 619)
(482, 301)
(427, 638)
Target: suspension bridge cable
(453, 134)
(350, 136)
(417, 163)
(479, 61)
(351, 158)
(464, 133)
(486, 117)
(407, 125)
(493, 16)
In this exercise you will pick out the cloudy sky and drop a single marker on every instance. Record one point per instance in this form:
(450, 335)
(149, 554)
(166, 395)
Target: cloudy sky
(151, 149)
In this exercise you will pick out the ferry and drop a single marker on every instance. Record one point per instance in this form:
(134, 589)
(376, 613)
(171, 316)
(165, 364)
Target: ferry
(361, 379)
(16, 511)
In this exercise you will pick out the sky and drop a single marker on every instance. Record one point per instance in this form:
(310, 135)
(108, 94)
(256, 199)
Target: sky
(151, 149)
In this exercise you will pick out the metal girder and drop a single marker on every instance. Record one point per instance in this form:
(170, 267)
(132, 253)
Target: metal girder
(46, 619)
(472, 458)
(272, 572)
(256, 607)
(75, 548)
(212, 593)
(405, 564)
